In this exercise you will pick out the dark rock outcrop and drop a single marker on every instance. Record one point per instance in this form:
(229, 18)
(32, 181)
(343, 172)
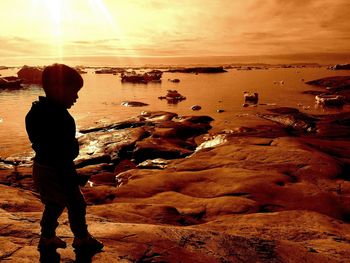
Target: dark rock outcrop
(10, 82)
(340, 67)
(291, 118)
(152, 76)
(199, 70)
(337, 82)
(338, 85)
(30, 75)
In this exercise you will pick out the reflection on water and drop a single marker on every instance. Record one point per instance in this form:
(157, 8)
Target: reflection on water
(100, 98)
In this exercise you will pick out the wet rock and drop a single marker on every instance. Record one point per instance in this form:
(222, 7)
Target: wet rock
(107, 146)
(156, 116)
(249, 105)
(291, 118)
(173, 97)
(212, 141)
(21, 159)
(285, 110)
(132, 123)
(330, 100)
(196, 107)
(133, 104)
(123, 178)
(195, 119)
(108, 143)
(6, 166)
(152, 148)
(251, 97)
(157, 163)
(165, 132)
(186, 128)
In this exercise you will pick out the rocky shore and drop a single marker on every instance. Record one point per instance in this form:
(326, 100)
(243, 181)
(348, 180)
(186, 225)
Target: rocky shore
(165, 188)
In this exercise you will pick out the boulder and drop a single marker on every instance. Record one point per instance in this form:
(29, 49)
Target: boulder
(251, 97)
(340, 67)
(196, 107)
(151, 148)
(133, 104)
(30, 75)
(173, 97)
(10, 82)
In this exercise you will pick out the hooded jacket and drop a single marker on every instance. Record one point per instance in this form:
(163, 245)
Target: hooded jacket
(51, 130)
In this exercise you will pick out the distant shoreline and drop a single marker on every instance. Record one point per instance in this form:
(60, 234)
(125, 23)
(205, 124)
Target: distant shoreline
(118, 61)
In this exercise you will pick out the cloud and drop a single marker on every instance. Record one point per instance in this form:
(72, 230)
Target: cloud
(15, 46)
(197, 27)
(94, 42)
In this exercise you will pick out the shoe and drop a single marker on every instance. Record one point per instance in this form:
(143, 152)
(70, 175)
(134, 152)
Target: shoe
(88, 242)
(51, 243)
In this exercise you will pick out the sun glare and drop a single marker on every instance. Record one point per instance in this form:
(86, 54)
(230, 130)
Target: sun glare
(65, 22)
(52, 15)
(113, 27)
(55, 11)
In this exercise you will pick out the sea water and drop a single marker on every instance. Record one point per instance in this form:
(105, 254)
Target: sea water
(100, 98)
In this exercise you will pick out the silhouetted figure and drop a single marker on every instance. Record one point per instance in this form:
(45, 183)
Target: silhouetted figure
(49, 256)
(51, 129)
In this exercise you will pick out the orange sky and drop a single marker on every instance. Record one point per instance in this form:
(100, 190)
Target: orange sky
(41, 28)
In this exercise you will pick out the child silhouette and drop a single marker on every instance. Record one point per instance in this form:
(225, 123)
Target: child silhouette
(51, 130)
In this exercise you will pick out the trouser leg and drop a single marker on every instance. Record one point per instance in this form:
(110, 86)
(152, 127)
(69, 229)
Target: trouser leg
(76, 213)
(49, 221)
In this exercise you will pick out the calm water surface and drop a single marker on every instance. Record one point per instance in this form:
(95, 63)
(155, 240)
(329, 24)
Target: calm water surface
(100, 99)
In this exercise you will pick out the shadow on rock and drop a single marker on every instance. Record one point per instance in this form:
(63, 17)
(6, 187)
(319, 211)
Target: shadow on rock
(49, 256)
(85, 255)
